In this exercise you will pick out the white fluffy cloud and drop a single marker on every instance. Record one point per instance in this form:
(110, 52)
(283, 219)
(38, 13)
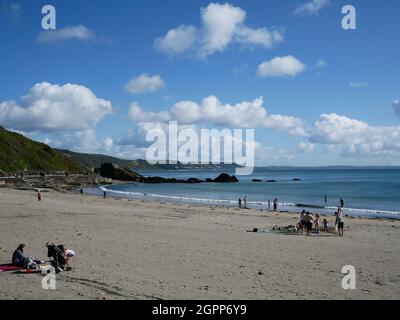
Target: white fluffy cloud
(177, 40)
(145, 83)
(80, 33)
(311, 7)
(281, 67)
(221, 25)
(137, 114)
(305, 147)
(352, 137)
(396, 106)
(245, 114)
(51, 107)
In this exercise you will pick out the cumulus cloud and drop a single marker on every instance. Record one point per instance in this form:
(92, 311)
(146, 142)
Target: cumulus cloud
(305, 147)
(352, 137)
(221, 26)
(311, 7)
(177, 40)
(80, 33)
(281, 67)
(137, 114)
(245, 114)
(396, 106)
(12, 10)
(51, 107)
(145, 83)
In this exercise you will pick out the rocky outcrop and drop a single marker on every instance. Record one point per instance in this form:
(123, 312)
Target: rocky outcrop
(256, 180)
(224, 177)
(113, 171)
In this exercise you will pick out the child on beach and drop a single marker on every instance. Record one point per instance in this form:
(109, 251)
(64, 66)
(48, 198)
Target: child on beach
(316, 223)
(325, 224)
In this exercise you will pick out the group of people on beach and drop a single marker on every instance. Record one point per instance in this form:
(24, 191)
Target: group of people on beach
(307, 221)
(243, 203)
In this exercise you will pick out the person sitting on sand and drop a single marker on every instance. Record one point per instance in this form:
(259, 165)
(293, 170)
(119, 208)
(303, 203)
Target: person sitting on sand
(340, 223)
(325, 224)
(308, 218)
(18, 258)
(316, 223)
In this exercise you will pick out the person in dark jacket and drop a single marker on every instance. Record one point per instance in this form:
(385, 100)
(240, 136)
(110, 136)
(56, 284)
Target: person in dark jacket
(19, 259)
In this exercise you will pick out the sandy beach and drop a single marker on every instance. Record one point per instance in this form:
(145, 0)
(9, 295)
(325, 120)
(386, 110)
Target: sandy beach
(131, 249)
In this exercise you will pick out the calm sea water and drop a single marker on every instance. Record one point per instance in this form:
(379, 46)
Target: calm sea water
(366, 192)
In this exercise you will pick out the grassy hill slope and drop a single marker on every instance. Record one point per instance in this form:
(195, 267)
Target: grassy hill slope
(18, 153)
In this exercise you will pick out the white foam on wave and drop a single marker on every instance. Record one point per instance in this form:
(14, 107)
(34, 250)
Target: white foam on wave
(356, 211)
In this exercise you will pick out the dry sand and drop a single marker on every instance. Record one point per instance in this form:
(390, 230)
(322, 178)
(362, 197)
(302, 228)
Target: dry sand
(151, 250)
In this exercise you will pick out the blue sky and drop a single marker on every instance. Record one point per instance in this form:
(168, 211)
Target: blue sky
(337, 90)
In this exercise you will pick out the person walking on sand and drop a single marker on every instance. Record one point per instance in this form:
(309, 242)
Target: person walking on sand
(302, 223)
(340, 223)
(240, 202)
(39, 196)
(275, 204)
(245, 202)
(308, 218)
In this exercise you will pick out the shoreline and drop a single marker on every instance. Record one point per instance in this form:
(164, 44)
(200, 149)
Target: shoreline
(216, 204)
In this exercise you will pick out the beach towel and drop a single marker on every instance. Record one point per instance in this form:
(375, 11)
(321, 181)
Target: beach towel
(9, 267)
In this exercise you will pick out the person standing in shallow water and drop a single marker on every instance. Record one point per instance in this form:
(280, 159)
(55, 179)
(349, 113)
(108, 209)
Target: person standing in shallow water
(245, 202)
(341, 202)
(275, 204)
(104, 194)
(240, 202)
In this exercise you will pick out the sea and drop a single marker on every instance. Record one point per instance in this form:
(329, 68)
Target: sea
(366, 192)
